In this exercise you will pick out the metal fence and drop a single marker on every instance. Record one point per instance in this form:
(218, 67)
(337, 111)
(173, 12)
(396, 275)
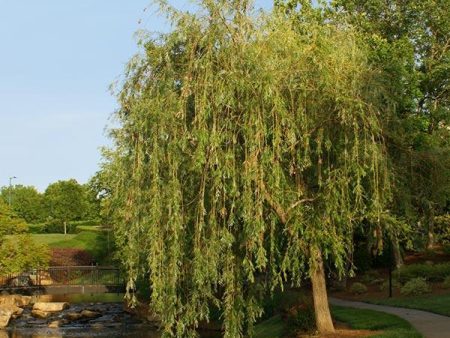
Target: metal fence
(64, 275)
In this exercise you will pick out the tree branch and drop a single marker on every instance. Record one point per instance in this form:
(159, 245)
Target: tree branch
(279, 210)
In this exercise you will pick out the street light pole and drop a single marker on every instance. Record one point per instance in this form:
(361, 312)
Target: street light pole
(10, 189)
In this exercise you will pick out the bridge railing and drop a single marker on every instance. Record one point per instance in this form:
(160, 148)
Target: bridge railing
(65, 275)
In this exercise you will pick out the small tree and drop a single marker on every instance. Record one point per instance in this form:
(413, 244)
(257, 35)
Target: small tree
(66, 201)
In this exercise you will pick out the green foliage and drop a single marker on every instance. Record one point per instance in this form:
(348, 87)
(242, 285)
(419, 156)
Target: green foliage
(361, 319)
(244, 141)
(66, 201)
(370, 276)
(446, 282)
(433, 273)
(358, 288)
(442, 224)
(56, 226)
(385, 285)
(20, 253)
(409, 41)
(301, 318)
(10, 223)
(415, 286)
(26, 202)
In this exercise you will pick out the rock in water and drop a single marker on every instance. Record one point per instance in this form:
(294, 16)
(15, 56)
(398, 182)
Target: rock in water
(5, 316)
(90, 314)
(73, 316)
(40, 314)
(17, 300)
(51, 307)
(57, 323)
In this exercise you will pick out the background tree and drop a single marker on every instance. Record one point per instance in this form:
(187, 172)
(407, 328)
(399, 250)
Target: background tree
(248, 144)
(99, 192)
(410, 41)
(26, 202)
(10, 223)
(21, 253)
(18, 251)
(66, 201)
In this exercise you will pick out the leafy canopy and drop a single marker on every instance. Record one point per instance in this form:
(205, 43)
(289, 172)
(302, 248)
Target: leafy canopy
(245, 140)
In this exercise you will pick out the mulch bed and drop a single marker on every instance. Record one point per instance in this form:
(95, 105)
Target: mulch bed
(70, 257)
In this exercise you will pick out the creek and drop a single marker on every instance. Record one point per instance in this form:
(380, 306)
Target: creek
(114, 322)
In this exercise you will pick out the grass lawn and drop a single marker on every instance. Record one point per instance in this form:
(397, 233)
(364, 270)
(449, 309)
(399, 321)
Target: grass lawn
(358, 319)
(94, 242)
(433, 303)
(270, 328)
(392, 326)
(51, 239)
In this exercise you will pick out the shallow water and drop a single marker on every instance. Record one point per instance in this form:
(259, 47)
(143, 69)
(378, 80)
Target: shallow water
(114, 322)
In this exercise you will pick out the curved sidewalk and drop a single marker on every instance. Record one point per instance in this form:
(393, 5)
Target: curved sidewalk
(429, 324)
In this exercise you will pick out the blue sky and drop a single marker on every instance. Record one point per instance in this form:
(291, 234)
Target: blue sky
(57, 60)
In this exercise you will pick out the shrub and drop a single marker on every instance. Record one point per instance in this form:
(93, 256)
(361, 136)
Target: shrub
(385, 285)
(433, 273)
(55, 226)
(416, 286)
(370, 276)
(446, 283)
(301, 318)
(358, 288)
(20, 253)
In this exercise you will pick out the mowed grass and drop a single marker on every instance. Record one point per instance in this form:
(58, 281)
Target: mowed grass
(270, 328)
(95, 243)
(390, 326)
(51, 239)
(439, 304)
(361, 319)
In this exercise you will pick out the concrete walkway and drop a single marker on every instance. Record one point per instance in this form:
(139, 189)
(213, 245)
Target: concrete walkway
(429, 324)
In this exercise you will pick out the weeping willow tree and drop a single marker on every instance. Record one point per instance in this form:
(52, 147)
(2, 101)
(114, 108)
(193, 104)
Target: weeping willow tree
(249, 145)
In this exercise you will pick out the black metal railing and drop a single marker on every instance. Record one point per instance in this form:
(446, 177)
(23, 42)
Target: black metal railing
(64, 275)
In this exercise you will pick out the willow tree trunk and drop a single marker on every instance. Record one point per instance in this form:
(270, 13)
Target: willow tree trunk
(319, 288)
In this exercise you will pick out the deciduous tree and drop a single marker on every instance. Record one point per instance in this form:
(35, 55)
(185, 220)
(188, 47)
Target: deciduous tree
(248, 144)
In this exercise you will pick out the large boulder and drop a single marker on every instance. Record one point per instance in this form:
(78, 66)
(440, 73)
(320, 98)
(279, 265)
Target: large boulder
(40, 314)
(50, 306)
(8, 311)
(5, 316)
(17, 300)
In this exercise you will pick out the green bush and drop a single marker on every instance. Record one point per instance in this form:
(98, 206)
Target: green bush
(301, 318)
(90, 222)
(55, 226)
(385, 285)
(416, 286)
(20, 253)
(370, 276)
(358, 288)
(446, 283)
(433, 273)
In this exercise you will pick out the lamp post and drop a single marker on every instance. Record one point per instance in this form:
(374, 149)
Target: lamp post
(10, 189)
